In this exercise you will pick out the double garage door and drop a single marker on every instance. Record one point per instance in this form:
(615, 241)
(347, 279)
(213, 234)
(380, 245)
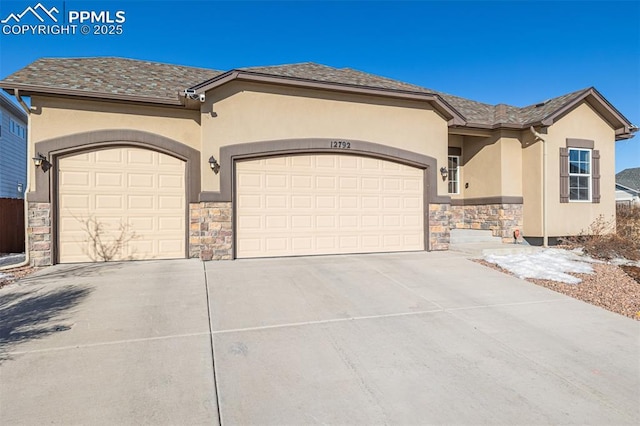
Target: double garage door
(327, 204)
(129, 203)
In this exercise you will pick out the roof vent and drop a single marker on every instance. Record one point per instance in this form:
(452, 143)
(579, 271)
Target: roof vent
(542, 103)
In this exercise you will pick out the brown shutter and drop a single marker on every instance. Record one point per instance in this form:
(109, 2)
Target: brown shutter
(564, 175)
(595, 176)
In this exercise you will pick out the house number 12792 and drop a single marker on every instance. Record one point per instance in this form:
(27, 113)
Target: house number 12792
(340, 144)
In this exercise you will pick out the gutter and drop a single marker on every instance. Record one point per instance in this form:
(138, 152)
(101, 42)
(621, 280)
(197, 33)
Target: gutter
(538, 136)
(26, 260)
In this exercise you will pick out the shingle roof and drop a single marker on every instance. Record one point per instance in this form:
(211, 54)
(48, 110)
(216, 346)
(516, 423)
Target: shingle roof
(473, 111)
(107, 76)
(629, 178)
(111, 76)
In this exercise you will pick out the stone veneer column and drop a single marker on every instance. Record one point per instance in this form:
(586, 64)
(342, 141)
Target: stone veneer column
(210, 233)
(439, 218)
(39, 231)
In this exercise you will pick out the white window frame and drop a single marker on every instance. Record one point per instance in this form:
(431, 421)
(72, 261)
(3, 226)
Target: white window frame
(584, 175)
(456, 182)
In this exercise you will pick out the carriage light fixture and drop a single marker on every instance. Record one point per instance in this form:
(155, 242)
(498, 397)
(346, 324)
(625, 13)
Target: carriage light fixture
(214, 164)
(41, 161)
(444, 172)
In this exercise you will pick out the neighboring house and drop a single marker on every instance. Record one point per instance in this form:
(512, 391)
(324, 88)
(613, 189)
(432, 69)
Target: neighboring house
(296, 160)
(13, 149)
(628, 187)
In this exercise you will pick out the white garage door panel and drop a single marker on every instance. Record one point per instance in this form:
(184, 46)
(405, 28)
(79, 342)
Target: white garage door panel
(141, 189)
(327, 204)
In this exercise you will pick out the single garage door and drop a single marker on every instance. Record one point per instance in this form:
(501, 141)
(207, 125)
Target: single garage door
(327, 204)
(119, 204)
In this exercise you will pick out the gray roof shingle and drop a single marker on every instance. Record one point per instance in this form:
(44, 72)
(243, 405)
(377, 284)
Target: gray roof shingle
(111, 76)
(629, 178)
(128, 77)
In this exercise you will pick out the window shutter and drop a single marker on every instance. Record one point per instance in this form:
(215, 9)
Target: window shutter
(595, 176)
(564, 175)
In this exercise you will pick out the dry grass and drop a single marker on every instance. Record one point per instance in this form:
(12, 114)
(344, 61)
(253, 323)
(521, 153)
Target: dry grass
(601, 242)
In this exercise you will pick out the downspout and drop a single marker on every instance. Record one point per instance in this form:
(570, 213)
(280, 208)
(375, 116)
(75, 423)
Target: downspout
(538, 136)
(26, 260)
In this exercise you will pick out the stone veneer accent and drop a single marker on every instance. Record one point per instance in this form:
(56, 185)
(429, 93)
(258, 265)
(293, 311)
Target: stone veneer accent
(501, 219)
(439, 219)
(210, 233)
(39, 231)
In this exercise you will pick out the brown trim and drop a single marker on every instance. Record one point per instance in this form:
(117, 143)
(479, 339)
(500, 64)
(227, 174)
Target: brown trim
(231, 153)
(564, 175)
(454, 150)
(579, 143)
(251, 150)
(480, 201)
(619, 122)
(53, 148)
(595, 176)
(30, 89)
(454, 117)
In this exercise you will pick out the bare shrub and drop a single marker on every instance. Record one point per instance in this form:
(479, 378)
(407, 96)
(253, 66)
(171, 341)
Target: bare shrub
(103, 245)
(608, 239)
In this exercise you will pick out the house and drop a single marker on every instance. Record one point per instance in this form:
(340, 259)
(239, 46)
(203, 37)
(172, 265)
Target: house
(13, 149)
(628, 187)
(153, 161)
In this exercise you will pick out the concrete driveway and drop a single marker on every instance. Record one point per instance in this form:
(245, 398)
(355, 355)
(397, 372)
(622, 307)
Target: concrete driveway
(412, 338)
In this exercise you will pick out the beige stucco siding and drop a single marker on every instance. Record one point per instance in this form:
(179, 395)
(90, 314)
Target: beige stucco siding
(56, 117)
(253, 112)
(60, 117)
(510, 164)
(491, 166)
(531, 185)
(571, 218)
(481, 167)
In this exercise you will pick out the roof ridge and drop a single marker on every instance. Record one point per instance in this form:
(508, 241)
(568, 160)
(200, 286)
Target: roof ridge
(546, 101)
(122, 58)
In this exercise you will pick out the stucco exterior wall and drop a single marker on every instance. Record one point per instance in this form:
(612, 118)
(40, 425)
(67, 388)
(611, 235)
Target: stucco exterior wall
(241, 112)
(55, 117)
(491, 166)
(570, 218)
(532, 185)
(510, 164)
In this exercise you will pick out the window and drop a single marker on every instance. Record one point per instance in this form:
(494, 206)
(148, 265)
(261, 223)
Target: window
(579, 174)
(17, 129)
(454, 174)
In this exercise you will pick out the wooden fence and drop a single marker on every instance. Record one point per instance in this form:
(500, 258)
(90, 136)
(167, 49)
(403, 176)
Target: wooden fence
(11, 225)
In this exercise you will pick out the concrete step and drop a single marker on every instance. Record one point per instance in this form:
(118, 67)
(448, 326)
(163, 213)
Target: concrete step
(464, 236)
(479, 250)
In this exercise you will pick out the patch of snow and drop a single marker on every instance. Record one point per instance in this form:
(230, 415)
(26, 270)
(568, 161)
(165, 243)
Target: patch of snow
(10, 259)
(549, 264)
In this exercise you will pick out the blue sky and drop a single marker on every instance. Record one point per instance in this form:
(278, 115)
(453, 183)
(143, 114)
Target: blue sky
(514, 52)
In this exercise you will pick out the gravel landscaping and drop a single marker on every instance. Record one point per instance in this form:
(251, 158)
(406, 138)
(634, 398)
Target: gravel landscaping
(609, 287)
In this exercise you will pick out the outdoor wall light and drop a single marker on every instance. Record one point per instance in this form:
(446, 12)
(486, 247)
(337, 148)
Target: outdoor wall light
(41, 161)
(444, 172)
(214, 164)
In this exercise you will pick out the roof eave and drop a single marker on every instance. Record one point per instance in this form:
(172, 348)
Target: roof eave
(29, 89)
(15, 110)
(623, 127)
(453, 116)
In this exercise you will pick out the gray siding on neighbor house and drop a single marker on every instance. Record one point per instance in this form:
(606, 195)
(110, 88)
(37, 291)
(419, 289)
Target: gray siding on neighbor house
(13, 151)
